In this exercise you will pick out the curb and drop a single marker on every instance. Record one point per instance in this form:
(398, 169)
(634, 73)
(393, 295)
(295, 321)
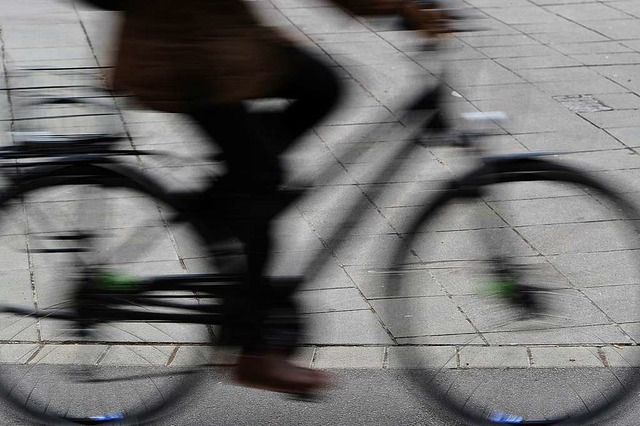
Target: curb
(331, 357)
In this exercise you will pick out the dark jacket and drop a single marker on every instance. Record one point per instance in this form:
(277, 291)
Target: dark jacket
(177, 53)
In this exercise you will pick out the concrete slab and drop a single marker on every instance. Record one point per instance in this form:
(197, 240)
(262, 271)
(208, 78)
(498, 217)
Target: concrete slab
(533, 53)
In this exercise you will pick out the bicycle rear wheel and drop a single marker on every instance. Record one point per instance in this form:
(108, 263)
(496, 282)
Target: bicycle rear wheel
(514, 298)
(116, 230)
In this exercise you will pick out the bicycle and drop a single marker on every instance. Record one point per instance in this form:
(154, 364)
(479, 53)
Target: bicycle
(529, 337)
(99, 223)
(135, 312)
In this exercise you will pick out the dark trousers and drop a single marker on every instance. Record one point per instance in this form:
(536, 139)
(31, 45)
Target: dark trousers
(251, 143)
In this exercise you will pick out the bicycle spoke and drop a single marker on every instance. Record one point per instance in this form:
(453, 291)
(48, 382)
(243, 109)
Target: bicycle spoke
(80, 237)
(487, 298)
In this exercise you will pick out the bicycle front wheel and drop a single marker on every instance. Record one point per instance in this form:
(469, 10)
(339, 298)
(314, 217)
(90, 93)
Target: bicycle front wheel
(514, 298)
(85, 229)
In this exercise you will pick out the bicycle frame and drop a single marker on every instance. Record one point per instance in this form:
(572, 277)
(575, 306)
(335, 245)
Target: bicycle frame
(94, 155)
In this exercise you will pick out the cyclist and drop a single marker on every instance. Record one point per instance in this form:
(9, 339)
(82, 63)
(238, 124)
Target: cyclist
(206, 59)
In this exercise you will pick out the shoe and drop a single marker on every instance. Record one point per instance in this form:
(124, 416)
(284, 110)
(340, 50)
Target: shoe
(274, 372)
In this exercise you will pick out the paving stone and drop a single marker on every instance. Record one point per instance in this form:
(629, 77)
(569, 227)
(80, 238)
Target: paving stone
(623, 75)
(376, 152)
(422, 357)
(621, 101)
(333, 135)
(36, 9)
(629, 136)
(608, 59)
(577, 34)
(500, 40)
(613, 119)
(330, 275)
(597, 269)
(304, 356)
(565, 357)
(565, 309)
(319, 20)
(467, 245)
(73, 56)
(507, 91)
(352, 46)
(360, 115)
(17, 291)
(369, 250)
(137, 355)
(595, 335)
(345, 328)
(550, 211)
(616, 29)
(349, 357)
(20, 35)
(619, 302)
(522, 15)
(69, 354)
(493, 357)
(421, 316)
(368, 222)
(456, 340)
(326, 198)
(517, 51)
(384, 283)
(400, 170)
(629, 7)
(188, 356)
(549, 61)
(631, 330)
(622, 356)
(587, 12)
(591, 48)
(13, 252)
(135, 332)
(541, 122)
(603, 160)
(532, 52)
(325, 174)
(401, 194)
(620, 180)
(567, 238)
(482, 72)
(516, 106)
(362, 37)
(632, 44)
(332, 300)
(17, 353)
(499, 3)
(567, 140)
(459, 216)
(594, 87)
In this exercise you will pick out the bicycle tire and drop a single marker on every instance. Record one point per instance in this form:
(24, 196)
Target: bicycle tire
(568, 357)
(139, 370)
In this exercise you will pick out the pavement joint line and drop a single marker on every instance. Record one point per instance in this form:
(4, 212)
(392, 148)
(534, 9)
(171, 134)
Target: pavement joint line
(385, 357)
(474, 356)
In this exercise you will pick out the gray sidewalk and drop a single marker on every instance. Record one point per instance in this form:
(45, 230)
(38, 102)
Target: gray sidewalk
(567, 73)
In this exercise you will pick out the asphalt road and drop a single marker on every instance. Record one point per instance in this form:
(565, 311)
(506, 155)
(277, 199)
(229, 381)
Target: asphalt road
(362, 397)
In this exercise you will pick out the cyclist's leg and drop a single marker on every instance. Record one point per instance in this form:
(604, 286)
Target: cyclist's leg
(314, 90)
(251, 143)
(253, 170)
(253, 167)
(252, 164)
